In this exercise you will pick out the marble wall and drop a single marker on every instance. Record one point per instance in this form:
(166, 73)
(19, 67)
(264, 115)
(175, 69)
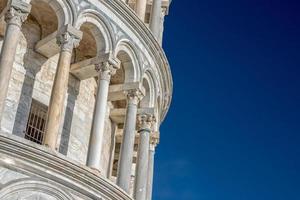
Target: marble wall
(32, 78)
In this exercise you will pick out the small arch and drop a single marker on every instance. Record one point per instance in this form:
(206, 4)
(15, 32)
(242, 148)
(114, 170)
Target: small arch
(149, 83)
(99, 28)
(39, 187)
(125, 52)
(62, 10)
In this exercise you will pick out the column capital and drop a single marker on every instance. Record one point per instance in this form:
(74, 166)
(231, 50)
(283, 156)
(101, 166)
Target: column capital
(68, 38)
(107, 69)
(134, 96)
(17, 12)
(145, 122)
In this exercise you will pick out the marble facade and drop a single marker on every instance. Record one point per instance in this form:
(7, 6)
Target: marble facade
(98, 67)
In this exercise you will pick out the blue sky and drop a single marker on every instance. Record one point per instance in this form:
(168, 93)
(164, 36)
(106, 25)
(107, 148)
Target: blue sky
(233, 130)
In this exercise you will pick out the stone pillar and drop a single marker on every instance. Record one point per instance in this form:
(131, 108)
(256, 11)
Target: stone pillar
(68, 38)
(15, 16)
(106, 70)
(155, 19)
(150, 169)
(125, 162)
(145, 122)
(140, 9)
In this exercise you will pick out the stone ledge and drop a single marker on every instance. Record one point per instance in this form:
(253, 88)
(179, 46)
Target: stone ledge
(22, 155)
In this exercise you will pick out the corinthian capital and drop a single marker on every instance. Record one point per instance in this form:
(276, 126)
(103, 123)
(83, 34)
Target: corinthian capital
(145, 122)
(68, 38)
(134, 96)
(107, 69)
(17, 12)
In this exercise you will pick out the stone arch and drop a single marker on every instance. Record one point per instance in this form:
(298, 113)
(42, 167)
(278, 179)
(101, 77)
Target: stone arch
(33, 188)
(150, 85)
(43, 20)
(126, 53)
(48, 12)
(99, 28)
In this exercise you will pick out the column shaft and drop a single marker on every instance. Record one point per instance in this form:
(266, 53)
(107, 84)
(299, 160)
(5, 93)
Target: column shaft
(125, 162)
(98, 126)
(161, 31)
(145, 125)
(142, 166)
(68, 40)
(155, 21)
(140, 9)
(14, 19)
(57, 100)
(150, 172)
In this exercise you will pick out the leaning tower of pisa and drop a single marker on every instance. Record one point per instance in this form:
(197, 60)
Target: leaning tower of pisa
(84, 88)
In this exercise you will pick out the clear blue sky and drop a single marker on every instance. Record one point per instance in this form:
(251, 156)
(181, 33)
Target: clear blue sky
(233, 130)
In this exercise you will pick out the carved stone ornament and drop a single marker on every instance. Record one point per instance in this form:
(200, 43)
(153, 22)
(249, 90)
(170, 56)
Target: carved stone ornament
(106, 70)
(145, 122)
(68, 41)
(68, 38)
(134, 96)
(15, 16)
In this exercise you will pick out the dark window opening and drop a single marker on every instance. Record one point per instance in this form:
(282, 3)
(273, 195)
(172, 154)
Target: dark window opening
(35, 130)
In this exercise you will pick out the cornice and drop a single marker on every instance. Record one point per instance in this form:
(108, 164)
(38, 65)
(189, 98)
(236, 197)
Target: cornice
(40, 161)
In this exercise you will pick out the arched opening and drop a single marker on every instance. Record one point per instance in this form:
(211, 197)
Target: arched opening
(41, 22)
(45, 16)
(92, 50)
(127, 74)
(148, 100)
(89, 45)
(122, 74)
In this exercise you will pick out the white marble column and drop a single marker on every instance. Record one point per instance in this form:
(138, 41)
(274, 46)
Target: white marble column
(68, 38)
(125, 162)
(155, 19)
(106, 70)
(145, 122)
(150, 169)
(162, 22)
(140, 9)
(14, 17)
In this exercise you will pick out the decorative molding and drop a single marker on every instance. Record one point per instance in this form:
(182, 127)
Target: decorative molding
(30, 158)
(35, 187)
